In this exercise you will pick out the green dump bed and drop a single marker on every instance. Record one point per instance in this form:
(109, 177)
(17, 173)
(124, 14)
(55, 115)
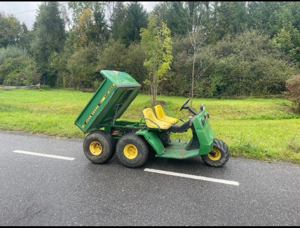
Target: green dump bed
(109, 102)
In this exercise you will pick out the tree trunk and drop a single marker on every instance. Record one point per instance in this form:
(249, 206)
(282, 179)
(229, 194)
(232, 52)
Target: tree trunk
(193, 79)
(154, 86)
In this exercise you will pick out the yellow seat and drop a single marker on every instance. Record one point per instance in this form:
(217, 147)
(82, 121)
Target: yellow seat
(155, 123)
(160, 114)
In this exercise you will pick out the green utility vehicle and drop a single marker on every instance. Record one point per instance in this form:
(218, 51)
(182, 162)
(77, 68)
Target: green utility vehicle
(134, 141)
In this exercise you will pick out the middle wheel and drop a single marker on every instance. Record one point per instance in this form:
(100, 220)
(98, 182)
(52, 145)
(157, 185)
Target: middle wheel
(132, 150)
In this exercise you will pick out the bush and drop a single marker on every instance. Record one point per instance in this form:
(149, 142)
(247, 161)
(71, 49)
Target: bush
(19, 71)
(293, 91)
(251, 64)
(82, 66)
(247, 64)
(11, 52)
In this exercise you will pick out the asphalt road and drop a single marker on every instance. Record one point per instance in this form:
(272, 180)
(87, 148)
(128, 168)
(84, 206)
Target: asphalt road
(71, 191)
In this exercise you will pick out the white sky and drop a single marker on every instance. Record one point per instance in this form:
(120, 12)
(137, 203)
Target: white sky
(26, 11)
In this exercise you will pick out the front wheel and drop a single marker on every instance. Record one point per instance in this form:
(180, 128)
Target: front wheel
(218, 156)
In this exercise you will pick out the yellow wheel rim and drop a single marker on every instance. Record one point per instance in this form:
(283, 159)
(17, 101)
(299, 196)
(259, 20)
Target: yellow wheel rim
(130, 151)
(95, 148)
(215, 155)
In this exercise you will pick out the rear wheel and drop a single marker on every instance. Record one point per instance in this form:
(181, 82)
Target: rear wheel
(218, 156)
(99, 146)
(132, 150)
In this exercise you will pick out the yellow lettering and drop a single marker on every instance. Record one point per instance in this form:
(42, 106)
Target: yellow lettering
(95, 109)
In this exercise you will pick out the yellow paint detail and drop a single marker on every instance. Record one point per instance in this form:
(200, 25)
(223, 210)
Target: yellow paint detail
(215, 155)
(130, 151)
(95, 148)
(98, 105)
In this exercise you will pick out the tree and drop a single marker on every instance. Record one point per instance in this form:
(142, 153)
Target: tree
(289, 41)
(156, 40)
(176, 22)
(279, 20)
(49, 37)
(134, 63)
(59, 61)
(26, 37)
(116, 56)
(263, 16)
(82, 66)
(85, 32)
(288, 36)
(117, 18)
(10, 30)
(113, 56)
(232, 18)
(197, 37)
(173, 15)
(135, 19)
(183, 60)
(91, 26)
(79, 6)
(101, 27)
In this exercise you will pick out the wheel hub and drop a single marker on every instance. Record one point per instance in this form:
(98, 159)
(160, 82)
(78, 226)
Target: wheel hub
(130, 151)
(215, 155)
(95, 148)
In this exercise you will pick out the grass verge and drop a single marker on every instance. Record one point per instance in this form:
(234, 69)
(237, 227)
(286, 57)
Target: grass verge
(262, 129)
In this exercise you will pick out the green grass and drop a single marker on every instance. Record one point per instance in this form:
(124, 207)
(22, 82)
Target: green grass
(253, 128)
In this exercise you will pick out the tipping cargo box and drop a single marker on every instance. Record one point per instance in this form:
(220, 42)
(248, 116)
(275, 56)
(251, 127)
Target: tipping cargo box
(109, 102)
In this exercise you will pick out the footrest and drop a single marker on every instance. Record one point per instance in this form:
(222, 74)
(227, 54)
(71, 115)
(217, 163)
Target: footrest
(177, 150)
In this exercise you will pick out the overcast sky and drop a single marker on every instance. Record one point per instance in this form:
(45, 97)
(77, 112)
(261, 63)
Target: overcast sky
(26, 11)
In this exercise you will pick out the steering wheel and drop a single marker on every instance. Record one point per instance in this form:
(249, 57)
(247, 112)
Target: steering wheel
(184, 104)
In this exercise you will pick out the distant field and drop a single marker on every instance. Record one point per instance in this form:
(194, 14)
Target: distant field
(253, 128)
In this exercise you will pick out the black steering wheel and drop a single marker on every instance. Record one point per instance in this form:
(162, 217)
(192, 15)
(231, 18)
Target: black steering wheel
(184, 106)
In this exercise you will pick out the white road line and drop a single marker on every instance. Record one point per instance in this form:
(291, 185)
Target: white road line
(43, 155)
(192, 176)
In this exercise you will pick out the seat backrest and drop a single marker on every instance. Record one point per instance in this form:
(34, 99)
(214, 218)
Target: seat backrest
(148, 113)
(160, 114)
(159, 111)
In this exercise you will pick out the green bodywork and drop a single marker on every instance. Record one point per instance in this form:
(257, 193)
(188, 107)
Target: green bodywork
(109, 102)
(114, 96)
(202, 139)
